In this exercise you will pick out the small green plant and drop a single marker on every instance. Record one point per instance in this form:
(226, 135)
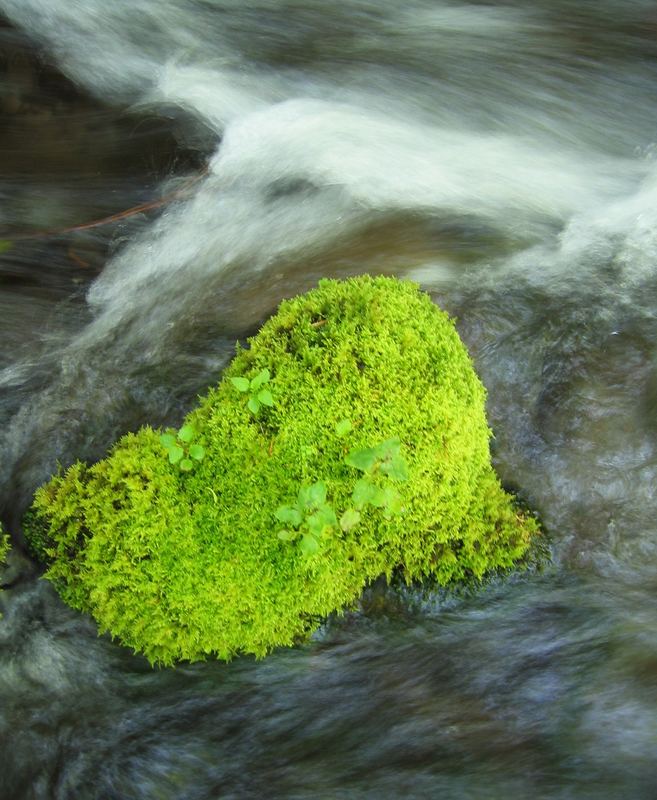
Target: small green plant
(258, 396)
(384, 459)
(182, 449)
(310, 519)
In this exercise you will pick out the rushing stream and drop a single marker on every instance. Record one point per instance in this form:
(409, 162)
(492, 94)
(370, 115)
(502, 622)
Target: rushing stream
(504, 155)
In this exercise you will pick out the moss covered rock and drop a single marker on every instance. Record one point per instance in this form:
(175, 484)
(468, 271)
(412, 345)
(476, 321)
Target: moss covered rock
(348, 440)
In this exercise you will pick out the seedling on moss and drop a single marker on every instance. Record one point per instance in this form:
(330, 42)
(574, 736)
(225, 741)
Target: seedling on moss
(310, 518)
(258, 396)
(384, 459)
(181, 447)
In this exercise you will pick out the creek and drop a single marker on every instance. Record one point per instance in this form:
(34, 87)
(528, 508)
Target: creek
(503, 155)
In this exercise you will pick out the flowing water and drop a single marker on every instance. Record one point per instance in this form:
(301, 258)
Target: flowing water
(501, 154)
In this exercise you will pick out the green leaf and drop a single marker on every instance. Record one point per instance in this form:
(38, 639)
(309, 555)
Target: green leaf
(321, 520)
(289, 515)
(395, 468)
(317, 493)
(253, 405)
(241, 384)
(5, 245)
(168, 440)
(343, 427)
(186, 464)
(262, 377)
(362, 493)
(367, 493)
(315, 524)
(328, 515)
(378, 498)
(264, 396)
(197, 451)
(175, 454)
(312, 496)
(392, 502)
(287, 536)
(302, 496)
(363, 459)
(308, 544)
(388, 449)
(186, 433)
(349, 519)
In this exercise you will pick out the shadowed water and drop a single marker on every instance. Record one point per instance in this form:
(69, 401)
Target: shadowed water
(498, 153)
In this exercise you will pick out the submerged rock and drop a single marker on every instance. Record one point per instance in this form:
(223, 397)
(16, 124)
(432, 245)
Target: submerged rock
(349, 439)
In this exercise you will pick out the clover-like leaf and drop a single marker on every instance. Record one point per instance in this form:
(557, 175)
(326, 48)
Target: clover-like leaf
(343, 427)
(367, 493)
(253, 405)
(308, 544)
(175, 454)
(289, 515)
(168, 440)
(261, 378)
(378, 498)
(321, 520)
(312, 496)
(187, 433)
(241, 384)
(328, 515)
(197, 452)
(395, 468)
(392, 502)
(362, 493)
(186, 464)
(349, 519)
(315, 524)
(287, 536)
(264, 396)
(388, 449)
(363, 459)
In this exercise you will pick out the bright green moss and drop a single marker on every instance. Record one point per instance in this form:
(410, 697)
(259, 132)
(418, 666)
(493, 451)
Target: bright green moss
(184, 564)
(4, 544)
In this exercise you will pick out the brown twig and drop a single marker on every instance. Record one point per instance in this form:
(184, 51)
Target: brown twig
(129, 212)
(70, 252)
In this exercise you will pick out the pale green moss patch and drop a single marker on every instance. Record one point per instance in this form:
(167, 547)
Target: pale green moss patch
(4, 544)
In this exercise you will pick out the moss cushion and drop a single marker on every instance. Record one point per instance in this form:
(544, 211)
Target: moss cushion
(347, 440)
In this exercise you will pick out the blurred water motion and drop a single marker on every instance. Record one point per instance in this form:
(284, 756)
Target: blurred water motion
(503, 156)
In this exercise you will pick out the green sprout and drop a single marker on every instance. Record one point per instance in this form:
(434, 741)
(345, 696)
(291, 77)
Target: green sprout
(310, 519)
(181, 447)
(258, 396)
(384, 459)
